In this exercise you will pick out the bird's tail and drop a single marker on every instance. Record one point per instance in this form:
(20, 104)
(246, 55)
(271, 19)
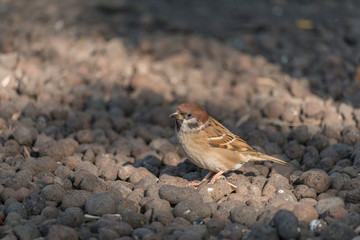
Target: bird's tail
(257, 156)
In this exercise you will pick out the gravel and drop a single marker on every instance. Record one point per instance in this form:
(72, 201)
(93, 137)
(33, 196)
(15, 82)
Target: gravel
(87, 150)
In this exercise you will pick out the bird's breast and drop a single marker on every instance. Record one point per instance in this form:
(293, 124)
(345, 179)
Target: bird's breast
(204, 156)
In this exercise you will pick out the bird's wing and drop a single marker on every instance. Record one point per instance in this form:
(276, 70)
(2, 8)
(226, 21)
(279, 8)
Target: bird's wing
(221, 137)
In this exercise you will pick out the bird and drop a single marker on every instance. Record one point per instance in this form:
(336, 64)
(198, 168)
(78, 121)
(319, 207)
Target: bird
(210, 145)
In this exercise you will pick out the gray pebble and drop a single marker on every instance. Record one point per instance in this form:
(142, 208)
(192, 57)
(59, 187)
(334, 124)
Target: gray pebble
(244, 215)
(286, 224)
(13, 218)
(327, 203)
(71, 217)
(25, 135)
(17, 208)
(53, 192)
(26, 231)
(62, 233)
(177, 194)
(316, 179)
(100, 204)
(76, 198)
(34, 204)
(192, 210)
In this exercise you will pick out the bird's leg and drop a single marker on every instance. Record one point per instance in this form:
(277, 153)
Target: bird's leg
(216, 176)
(204, 179)
(219, 175)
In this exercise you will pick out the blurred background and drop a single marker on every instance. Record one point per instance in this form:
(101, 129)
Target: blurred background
(257, 59)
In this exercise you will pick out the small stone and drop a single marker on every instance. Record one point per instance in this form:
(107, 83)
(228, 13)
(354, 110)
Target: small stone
(100, 204)
(25, 135)
(52, 149)
(192, 210)
(316, 179)
(34, 204)
(327, 203)
(286, 224)
(294, 150)
(17, 208)
(93, 184)
(105, 233)
(53, 192)
(303, 191)
(177, 194)
(261, 232)
(305, 212)
(300, 134)
(353, 196)
(171, 159)
(338, 231)
(319, 141)
(125, 206)
(135, 220)
(274, 109)
(26, 231)
(50, 212)
(350, 135)
(85, 136)
(13, 218)
(338, 180)
(76, 198)
(62, 233)
(62, 172)
(141, 233)
(71, 217)
(245, 215)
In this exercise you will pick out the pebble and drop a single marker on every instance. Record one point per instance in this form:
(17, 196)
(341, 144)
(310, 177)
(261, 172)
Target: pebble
(303, 191)
(75, 198)
(26, 231)
(353, 196)
(191, 210)
(25, 135)
(286, 224)
(52, 149)
(135, 220)
(177, 194)
(305, 212)
(316, 179)
(244, 215)
(71, 217)
(34, 204)
(85, 136)
(13, 218)
(100, 204)
(261, 232)
(327, 203)
(53, 192)
(338, 231)
(120, 227)
(17, 208)
(62, 232)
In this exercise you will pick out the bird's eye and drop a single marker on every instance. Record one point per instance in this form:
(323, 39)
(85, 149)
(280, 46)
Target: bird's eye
(188, 115)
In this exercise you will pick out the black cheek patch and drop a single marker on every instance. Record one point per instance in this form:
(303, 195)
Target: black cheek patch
(193, 125)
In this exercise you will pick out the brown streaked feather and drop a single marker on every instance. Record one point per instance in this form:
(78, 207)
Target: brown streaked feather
(221, 137)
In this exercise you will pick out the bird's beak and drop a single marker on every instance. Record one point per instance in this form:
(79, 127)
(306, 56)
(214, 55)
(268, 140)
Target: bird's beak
(176, 115)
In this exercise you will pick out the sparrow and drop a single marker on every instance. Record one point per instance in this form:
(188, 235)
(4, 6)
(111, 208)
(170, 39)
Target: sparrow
(210, 145)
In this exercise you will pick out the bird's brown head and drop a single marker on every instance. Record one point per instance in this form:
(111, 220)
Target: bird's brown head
(190, 116)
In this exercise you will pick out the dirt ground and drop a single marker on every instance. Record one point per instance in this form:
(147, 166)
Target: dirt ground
(87, 150)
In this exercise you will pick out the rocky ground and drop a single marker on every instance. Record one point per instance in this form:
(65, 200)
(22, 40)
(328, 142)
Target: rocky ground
(86, 147)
